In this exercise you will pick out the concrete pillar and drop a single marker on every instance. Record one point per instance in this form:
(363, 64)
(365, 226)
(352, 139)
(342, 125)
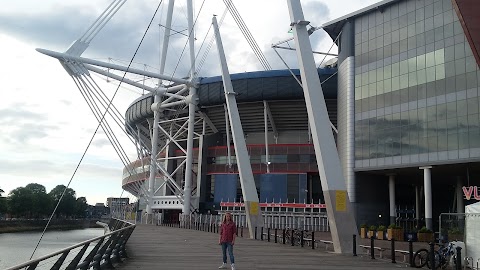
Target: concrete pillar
(459, 192)
(427, 186)
(391, 193)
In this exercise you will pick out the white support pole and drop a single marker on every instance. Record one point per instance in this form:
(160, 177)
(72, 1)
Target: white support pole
(227, 131)
(391, 193)
(459, 192)
(187, 190)
(153, 162)
(339, 209)
(247, 182)
(200, 160)
(427, 186)
(166, 36)
(265, 121)
(75, 59)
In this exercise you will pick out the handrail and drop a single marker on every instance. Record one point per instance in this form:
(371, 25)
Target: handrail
(115, 248)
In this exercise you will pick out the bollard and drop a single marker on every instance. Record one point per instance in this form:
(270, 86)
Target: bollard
(283, 236)
(301, 239)
(276, 235)
(241, 232)
(432, 255)
(261, 234)
(268, 234)
(236, 232)
(372, 247)
(354, 245)
(255, 233)
(393, 250)
(313, 240)
(458, 262)
(291, 239)
(410, 252)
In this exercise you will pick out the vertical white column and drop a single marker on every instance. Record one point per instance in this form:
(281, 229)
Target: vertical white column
(427, 186)
(391, 193)
(247, 182)
(459, 192)
(187, 190)
(200, 162)
(153, 159)
(339, 209)
(227, 130)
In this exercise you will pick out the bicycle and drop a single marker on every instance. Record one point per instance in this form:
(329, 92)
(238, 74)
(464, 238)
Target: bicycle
(442, 257)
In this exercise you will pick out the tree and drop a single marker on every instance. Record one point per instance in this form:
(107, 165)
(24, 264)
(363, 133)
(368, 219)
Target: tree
(3, 203)
(20, 202)
(42, 203)
(81, 207)
(68, 204)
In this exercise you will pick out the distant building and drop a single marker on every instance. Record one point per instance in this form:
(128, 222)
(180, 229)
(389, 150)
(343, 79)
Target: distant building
(116, 202)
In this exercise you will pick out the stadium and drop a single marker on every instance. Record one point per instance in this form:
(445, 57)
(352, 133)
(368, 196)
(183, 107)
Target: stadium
(404, 99)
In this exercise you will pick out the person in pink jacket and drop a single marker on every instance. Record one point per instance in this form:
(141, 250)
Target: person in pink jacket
(228, 231)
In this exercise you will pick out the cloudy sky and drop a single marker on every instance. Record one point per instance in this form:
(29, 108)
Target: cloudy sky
(45, 125)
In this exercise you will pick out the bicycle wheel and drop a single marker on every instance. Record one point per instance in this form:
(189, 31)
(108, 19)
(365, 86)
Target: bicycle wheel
(437, 261)
(420, 258)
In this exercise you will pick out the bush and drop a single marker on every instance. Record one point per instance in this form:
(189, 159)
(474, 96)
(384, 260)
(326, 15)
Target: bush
(394, 226)
(373, 228)
(425, 230)
(363, 226)
(454, 231)
(381, 228)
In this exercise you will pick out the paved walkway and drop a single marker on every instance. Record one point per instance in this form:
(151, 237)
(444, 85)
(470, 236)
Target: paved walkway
(156, 247)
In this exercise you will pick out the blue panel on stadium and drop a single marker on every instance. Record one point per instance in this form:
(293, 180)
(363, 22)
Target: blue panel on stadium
(225, 187)
(273, 188)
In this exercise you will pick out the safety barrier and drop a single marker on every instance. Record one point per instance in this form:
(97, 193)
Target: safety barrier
(109, 249)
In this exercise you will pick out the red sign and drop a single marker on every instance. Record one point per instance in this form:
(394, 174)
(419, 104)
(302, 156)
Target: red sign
(284, 205)
(469, 191)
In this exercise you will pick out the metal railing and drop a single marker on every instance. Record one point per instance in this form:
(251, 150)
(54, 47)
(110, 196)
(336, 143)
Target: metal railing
(109, 248)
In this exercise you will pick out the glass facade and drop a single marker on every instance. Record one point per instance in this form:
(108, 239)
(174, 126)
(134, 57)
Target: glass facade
(416, 86)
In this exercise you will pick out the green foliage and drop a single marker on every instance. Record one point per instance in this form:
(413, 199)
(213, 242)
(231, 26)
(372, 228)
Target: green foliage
(42, 203)
(373, 228)
(394, 226)
(32, 201)
(455, 231)
(81, 207)
(67, 205)
(364, 226)
(381, 228)
(424, 230)
(3, 205)
(20, 202)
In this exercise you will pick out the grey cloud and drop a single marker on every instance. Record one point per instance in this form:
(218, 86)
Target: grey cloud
(45, 169)
(16, 113)
(101, 142)
(120, 37)
(26, 125)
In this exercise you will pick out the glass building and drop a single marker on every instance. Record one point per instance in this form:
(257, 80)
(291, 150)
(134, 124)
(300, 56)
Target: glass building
(408, 108)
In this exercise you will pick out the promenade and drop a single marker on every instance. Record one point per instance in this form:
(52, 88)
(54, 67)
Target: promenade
(157, 247)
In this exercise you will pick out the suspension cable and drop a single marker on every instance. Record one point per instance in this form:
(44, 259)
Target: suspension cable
(210, 44)
(93, 135)
(248, 36)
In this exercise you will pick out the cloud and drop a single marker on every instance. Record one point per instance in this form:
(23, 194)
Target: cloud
(23, 125)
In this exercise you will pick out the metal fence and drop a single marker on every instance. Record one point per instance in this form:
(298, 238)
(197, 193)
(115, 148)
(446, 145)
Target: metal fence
(108, 249)
(274, 220)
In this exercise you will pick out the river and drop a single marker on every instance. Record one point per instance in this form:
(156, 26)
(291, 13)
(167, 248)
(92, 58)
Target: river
(16, 248)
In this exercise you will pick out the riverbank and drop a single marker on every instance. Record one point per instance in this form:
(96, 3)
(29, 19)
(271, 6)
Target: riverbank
(12, 226)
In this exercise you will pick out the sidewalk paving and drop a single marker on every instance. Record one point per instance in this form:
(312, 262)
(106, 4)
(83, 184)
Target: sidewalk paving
(157, 247)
